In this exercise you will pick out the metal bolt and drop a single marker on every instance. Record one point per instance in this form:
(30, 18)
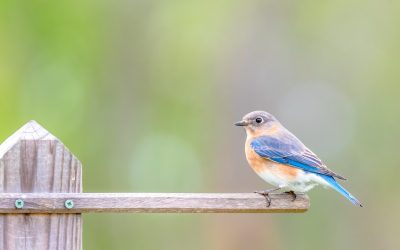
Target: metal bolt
(69, 204)
(19, 204)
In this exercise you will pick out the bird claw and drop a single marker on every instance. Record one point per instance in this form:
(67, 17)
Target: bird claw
(266, 196)
(294, 195)
(266, 193)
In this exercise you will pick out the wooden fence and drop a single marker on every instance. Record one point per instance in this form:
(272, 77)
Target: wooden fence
(41, 199)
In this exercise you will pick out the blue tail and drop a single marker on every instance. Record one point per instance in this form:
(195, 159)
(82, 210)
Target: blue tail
(340, 189)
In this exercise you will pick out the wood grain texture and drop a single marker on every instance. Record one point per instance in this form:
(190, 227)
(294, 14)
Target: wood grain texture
(34, 161)
(154, 203)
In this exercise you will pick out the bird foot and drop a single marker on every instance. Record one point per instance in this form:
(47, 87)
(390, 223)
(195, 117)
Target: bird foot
(294, 195)
(266, 193)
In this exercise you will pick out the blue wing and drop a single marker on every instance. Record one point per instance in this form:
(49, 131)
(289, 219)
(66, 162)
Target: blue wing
(289, 150)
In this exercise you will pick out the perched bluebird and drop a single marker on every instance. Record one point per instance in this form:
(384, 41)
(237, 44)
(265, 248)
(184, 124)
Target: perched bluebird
(282, 160)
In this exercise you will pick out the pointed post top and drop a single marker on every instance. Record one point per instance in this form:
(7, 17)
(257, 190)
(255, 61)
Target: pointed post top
(31, 131)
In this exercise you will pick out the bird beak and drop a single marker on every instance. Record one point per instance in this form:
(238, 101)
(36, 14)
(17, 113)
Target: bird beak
(241, 123)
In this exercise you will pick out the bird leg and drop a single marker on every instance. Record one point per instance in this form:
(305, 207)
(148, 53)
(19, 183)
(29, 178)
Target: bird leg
(265, 193)
(294, 195)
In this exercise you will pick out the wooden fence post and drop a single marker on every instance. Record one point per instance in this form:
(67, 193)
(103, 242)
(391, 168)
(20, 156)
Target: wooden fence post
(34, 161)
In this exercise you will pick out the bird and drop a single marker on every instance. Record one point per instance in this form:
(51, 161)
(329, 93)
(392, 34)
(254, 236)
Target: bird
(283, 161)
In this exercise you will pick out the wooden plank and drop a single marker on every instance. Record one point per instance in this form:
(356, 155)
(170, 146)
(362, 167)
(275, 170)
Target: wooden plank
(153, 203)
(34, 161)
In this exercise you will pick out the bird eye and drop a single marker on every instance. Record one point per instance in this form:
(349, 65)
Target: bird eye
(259, 120)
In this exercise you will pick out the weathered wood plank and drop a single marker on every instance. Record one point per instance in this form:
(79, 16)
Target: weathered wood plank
(34, 161)
(153, 203)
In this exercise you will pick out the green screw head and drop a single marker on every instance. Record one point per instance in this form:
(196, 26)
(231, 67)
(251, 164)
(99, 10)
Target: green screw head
(19, 204)
(69, 204)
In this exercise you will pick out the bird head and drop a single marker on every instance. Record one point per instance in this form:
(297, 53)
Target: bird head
(257, 122)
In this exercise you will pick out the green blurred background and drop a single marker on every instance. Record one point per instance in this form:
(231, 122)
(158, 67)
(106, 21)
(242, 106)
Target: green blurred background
(145, 94)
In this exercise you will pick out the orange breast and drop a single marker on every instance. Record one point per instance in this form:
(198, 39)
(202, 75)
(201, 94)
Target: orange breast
(259, 165)
(256, 162)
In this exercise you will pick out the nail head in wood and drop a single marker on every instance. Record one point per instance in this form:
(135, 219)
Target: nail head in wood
(69, 204)
(19, 204)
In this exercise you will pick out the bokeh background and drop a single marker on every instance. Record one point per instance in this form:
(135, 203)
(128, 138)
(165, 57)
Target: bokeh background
(145, 94)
